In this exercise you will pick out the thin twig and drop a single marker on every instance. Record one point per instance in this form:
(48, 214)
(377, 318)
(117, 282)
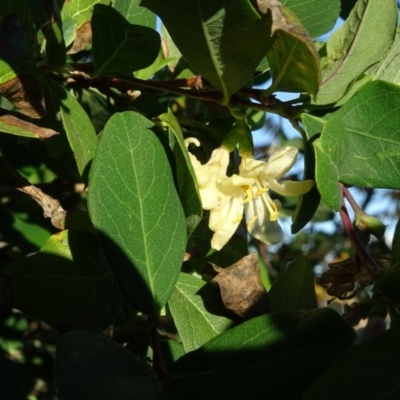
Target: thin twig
(51, 207)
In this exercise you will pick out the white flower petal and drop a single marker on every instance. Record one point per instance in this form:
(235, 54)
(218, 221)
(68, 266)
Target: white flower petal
(291, 188)
(224, 222)
(258, 222)
(280, 162)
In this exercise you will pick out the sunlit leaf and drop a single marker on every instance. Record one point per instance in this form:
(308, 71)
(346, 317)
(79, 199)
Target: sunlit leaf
(359, 43)
(195, 324)
(272, 356)
(360, 144)
(134, 205)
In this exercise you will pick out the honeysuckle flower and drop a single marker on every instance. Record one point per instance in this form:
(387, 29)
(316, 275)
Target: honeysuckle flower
(227, 197)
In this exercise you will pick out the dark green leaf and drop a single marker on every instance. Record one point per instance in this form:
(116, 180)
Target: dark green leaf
(134, 204)
(195, 324)
(68, 283)
(274, 356)
(135, 14)
(389, 284)
(396, 246)
(118, 46)
(360, 143)
(80, 131)
(186, 178)
(90, 366)
(223, 41)
(294, 288)
(308, 203)
(360, 42)
(367, 371)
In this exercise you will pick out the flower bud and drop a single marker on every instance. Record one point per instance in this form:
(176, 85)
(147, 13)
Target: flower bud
(370, 224)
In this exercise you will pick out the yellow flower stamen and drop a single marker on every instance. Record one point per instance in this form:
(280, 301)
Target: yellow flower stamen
(249, 194)
(237, 219)
(272, 207)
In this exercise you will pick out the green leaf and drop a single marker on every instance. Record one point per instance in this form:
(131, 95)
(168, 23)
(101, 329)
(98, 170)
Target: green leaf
(81, 11)
(293, 59)
(68, 283)
(118, 46)
(89, 366)
(313, 125)
(388, 70)
(308, 203)
(273, 356)
(134, 204)
(135, 14)
(360, 42)
(223, 41)
(294, 288)
(366, 371)
(55, 45)
(186, 178)
(80, 131)
(317, 16)
(69, 30)
(195, 324)
(360, 144)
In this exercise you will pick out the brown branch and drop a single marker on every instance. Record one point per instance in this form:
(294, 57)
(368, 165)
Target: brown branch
(51, 207)
(195, 87)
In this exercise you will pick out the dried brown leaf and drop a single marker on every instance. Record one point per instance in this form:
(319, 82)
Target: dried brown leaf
(241, 287)
(83, 38)
(39, 131)
(24, 93)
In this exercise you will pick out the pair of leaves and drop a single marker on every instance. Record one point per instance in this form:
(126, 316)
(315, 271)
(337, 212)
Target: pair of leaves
(359, 144)
(134, 205)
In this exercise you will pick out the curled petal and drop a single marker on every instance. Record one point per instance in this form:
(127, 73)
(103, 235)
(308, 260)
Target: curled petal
(280, 162)
(291, 188)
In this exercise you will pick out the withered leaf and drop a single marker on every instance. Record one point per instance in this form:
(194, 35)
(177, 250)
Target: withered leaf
(18, 72)
(16, 126)
(241, 287)
(293, 58)
(83, 38)
(24, 93)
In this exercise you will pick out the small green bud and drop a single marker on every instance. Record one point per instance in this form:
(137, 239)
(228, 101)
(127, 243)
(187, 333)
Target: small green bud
(370, 224)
